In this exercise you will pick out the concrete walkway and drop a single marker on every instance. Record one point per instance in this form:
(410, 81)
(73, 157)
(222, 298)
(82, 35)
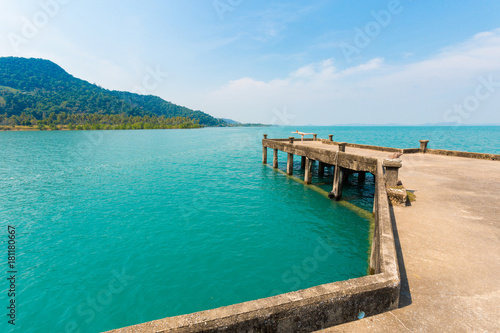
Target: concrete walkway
(449, 248)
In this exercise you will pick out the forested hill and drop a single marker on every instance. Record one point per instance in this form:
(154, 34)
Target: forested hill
(38, 87)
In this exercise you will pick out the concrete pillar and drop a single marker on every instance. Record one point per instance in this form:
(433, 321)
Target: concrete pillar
(342, 146)
(361, 177)
(315, 137)
(265, 136)
(321, 169)
(338, 179)
(289, 164)
(303, 162)
(391, 171)
(290, 139)
(275, 158)
(308, 171)
(423, 145)
(264, 155)
(330, 137)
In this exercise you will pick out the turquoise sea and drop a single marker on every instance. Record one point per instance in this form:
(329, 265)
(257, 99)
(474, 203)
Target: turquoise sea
(115, 228)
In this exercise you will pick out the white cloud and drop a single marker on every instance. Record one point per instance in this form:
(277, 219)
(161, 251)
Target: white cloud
(373, 92)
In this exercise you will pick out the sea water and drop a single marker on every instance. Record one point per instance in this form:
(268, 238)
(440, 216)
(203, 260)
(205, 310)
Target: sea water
(115, 228)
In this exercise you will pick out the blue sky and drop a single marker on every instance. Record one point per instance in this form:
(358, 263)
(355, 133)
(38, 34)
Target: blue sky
(280, 62)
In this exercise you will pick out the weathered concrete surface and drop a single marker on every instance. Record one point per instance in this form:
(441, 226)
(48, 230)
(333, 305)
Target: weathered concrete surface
(449, 249)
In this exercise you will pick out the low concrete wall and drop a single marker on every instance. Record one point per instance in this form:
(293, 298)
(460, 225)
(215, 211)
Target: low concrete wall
(309, 309)
(481, 156)
(356, 145)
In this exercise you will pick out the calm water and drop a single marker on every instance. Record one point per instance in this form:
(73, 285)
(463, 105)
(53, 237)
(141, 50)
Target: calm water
(116, 228)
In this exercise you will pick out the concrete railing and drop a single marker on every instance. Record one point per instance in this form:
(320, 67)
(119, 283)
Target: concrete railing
(313, 308)
(422, 149)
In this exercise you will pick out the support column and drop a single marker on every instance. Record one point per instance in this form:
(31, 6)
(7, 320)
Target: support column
(321, 169)
(391, 171)
(315, 137)
(361, 177)
(303, 162)
(275, 158)
(423, 145)
(308, 171)
(289, 164)
(338, 179)
(330, 137)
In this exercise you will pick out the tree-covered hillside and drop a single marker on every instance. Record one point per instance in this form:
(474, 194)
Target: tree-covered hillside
(38, 87)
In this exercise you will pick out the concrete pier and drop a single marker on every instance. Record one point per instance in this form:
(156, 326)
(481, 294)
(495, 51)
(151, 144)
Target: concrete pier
(433, 266)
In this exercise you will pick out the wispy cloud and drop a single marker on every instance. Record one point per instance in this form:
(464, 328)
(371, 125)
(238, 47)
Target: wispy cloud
(418, 90)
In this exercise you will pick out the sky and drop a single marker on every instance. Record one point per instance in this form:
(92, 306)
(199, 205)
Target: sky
(322, 62)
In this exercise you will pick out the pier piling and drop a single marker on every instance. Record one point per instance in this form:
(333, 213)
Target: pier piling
(321, 169)
(275, 158)
(289, 164)
(308, 171)
(361, 177)
(338, 179)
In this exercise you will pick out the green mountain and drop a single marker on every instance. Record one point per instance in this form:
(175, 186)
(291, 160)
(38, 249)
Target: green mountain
(38, 87)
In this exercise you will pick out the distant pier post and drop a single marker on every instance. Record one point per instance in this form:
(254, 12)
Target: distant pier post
(289, 164)
(315, 137)
(391, 171)
(330, 137)
(423, 145)
(321, 169)
(290, 139)
(342, 146)
(308, 171)
(264, 152)
(303, 162)
(275, 158)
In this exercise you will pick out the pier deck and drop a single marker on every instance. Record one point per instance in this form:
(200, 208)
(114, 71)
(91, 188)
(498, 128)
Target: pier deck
(449, 251)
